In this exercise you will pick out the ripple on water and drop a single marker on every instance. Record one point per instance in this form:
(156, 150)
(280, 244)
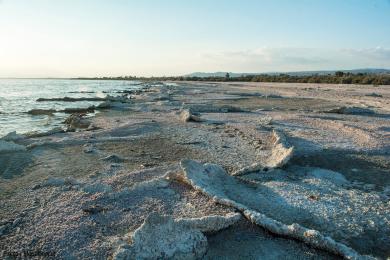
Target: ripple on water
(17, 96)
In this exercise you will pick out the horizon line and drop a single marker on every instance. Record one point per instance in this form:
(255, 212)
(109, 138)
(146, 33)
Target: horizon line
(165, 76)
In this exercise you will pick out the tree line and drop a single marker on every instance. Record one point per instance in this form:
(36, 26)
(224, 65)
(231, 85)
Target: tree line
(338, 77)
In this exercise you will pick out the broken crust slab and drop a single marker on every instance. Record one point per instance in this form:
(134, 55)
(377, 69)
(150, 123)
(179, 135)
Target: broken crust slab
(162, 237)
(195, 174)
(281, 153)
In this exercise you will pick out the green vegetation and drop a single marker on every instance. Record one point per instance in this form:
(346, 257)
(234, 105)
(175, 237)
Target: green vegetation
(338, 77)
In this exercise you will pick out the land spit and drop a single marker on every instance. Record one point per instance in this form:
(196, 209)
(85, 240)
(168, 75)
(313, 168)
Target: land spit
(192, 170)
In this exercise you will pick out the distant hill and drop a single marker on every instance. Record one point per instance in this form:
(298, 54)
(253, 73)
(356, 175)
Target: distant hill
(292, 73)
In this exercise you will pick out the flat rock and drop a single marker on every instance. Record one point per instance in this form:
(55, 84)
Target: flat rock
(351, 111)
(12, 136)
(373, 94)
(10, 147)
(36, 112)
(162, 237)
(90, 109)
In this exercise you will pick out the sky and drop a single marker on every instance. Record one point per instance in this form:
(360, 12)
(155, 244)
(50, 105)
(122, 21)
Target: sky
(72, 38)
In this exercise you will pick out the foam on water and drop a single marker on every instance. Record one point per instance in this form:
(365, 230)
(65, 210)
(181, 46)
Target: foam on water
(17, 96)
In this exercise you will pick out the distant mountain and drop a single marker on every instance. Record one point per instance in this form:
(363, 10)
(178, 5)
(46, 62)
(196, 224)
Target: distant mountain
(291, 73)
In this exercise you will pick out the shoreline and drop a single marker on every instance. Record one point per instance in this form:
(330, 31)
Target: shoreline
(41, 109)
(91, 190)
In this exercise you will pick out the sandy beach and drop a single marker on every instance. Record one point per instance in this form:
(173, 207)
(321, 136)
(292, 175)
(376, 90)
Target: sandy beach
(201, 170)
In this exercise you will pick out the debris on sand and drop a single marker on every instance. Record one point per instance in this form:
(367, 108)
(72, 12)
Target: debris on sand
(162, 237)
(187, 116)
(351, 111)
(281, 152)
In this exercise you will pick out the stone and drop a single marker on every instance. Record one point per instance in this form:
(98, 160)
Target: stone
(11, 147)
(76, 121)
(186, 116)
(36, 112)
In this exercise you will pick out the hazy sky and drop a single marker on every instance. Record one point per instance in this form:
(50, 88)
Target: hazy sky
(62, 38)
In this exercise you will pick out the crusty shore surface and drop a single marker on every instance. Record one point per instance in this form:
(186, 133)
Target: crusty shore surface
(87, 194)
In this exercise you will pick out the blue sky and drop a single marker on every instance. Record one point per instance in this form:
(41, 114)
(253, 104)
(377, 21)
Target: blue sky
(68, 38)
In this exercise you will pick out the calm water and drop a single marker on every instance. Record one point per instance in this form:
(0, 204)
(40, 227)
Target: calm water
(17, 96)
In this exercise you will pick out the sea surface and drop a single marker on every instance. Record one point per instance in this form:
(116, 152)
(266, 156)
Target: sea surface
(18, 96)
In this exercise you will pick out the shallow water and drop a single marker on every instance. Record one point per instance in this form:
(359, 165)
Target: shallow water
(17, 96)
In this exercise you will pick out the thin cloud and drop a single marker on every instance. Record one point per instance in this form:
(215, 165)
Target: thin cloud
(378, 53)
(290, 58)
